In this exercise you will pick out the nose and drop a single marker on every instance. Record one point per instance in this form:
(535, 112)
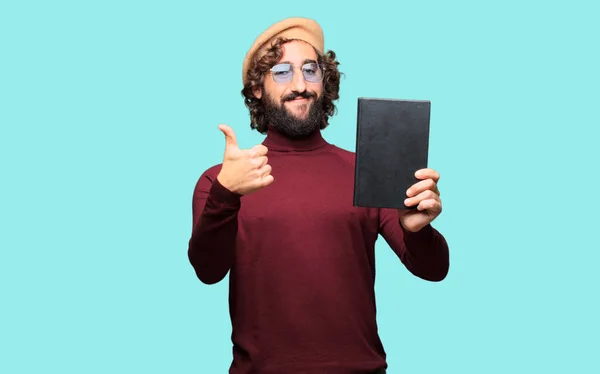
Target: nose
(298, 84)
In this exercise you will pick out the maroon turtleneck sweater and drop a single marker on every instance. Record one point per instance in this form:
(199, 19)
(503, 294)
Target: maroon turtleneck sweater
(301, 261)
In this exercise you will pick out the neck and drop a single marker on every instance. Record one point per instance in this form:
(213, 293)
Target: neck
(278, 141)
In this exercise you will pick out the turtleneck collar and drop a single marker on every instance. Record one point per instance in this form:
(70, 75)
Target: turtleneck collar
(278, 141)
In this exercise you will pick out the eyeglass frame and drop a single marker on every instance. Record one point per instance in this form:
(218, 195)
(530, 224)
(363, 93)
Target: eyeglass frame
(294, 66)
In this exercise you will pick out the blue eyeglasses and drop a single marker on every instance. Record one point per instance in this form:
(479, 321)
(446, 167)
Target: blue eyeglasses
(283, 73)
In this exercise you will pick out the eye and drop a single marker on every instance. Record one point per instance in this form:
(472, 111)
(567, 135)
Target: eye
(281, 68)
(310, 68)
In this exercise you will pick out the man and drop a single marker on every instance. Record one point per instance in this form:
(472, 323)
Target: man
(279, 219)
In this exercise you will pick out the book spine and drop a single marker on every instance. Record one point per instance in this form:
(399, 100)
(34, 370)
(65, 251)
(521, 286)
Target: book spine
(356, 156)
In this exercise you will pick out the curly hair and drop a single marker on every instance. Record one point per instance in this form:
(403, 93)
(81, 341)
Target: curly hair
(256, 74)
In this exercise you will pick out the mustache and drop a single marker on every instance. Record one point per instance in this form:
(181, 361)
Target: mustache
(294, 95)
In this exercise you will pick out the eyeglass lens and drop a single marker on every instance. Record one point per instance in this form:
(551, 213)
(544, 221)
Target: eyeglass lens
(283, 73)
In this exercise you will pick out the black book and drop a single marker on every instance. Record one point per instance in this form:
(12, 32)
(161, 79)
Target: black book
(392, 143)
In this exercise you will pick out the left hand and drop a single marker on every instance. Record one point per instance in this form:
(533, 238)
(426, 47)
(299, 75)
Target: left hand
(426, 195)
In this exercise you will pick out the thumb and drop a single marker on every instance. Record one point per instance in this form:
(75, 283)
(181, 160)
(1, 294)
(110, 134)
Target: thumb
(230, 140)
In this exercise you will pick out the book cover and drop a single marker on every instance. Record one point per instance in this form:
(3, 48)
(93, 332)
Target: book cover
(392, 143)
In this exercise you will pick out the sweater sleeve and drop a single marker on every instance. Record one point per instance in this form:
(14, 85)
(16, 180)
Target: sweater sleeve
(424, 253)
(214, 231)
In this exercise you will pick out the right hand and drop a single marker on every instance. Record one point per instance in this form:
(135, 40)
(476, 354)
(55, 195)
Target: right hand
(243, 171)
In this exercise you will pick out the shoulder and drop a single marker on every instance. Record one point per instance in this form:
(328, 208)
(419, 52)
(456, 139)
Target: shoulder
(208, 176)
(345, 155)
(213, 170)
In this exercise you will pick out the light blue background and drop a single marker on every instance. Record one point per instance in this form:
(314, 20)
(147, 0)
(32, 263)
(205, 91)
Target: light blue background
(109, 114)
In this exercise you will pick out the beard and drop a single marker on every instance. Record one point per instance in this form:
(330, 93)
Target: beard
(278, 117)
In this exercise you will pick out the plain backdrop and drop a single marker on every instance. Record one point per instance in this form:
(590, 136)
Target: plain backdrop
(109, 114)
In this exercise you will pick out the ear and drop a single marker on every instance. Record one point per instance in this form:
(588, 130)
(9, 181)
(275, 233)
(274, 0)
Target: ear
(257, 91)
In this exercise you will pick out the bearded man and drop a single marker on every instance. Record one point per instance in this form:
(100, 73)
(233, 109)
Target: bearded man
(279, 219)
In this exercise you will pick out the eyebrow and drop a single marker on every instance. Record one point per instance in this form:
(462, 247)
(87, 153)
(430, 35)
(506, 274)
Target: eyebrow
(306, 61)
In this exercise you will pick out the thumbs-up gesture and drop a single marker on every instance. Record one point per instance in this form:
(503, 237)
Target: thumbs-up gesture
(243, 171)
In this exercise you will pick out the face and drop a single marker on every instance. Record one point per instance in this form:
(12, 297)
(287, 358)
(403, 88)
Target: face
(294, 106)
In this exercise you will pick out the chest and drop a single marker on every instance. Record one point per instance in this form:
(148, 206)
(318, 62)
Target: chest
(316, 192)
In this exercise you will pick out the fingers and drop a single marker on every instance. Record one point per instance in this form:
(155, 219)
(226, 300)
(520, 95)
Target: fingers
(265, 176)
(265, 171)
(424, 198)
(261, 161)
(244, 170)
(427, 173)
(267, 180)
(432, 205)
(422, 186)
(258, 151)
(231, 142)
(230, 139)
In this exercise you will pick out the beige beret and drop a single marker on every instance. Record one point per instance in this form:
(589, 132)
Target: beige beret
(300, 28)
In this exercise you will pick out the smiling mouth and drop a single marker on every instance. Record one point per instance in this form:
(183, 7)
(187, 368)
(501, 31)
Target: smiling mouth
(298, 100)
